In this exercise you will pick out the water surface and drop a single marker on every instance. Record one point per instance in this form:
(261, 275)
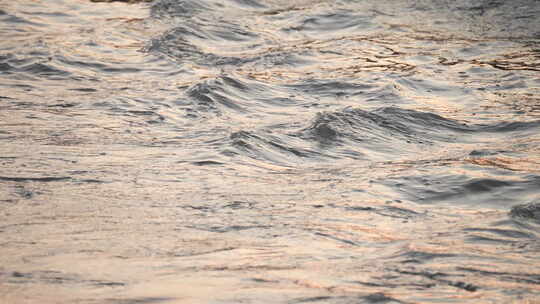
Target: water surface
(269, 151)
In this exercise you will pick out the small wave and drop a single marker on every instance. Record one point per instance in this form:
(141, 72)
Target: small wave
(228, 94)
(338, 21)
(45, 70)
(177, 9)
(107, 68)
(210, 95)
(514, 126)
(269, 147)
(381, 125)
(32, 67)
(462, 189)
(175, 46)
(332, 88)
(527, 211)
(9, 18)
(249, 3)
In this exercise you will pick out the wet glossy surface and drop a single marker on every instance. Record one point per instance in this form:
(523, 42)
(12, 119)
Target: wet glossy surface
(243, 151)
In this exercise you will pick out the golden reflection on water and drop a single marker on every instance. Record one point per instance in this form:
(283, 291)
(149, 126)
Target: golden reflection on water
(139, 221)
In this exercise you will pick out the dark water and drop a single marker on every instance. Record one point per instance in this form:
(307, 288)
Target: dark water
(270, 151)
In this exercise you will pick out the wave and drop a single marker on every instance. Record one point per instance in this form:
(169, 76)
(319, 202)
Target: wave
(353, 133)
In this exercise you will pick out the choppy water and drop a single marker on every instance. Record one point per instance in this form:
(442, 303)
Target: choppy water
(270, 151)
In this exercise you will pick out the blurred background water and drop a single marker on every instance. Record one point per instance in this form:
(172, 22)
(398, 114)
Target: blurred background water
(270, 151)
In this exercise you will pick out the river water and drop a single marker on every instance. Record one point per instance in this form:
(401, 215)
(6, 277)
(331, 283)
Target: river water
(270, 151)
